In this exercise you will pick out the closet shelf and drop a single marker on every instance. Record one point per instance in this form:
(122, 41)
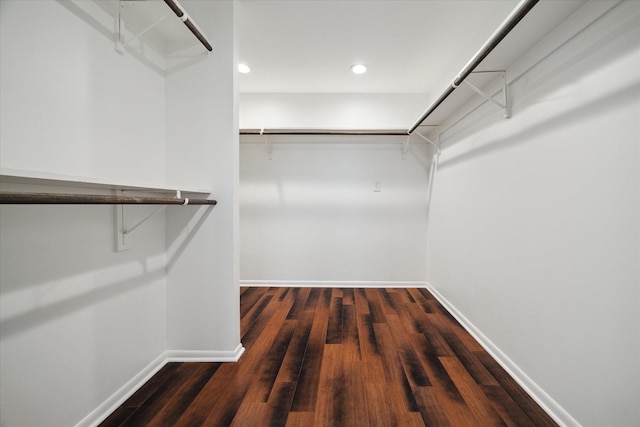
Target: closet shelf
(16, 176)
(165, 22)
(521, 10)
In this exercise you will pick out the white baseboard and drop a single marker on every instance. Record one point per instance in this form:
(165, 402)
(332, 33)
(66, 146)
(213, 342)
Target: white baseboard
(126, 391)
(116, 399)
(204, 355)
(550, 406)
(334, 283)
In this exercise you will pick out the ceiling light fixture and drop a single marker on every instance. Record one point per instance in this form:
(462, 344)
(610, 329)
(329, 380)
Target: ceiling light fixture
(358, 69)
(244, 68)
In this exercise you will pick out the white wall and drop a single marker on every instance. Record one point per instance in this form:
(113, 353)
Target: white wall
(81, 324)
(310, 214)
(534, 235)
(70, 104)
(77, 319)
(330, 110)
(202, 150)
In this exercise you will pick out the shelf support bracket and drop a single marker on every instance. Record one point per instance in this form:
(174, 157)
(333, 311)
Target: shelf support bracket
(267, 143)
(124, 234)
(121, 43)
(505, 105)
(405, 147)
(435, 145)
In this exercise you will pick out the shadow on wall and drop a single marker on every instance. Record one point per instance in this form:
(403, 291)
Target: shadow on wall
(140, 50)
(67, 263)
(184, 227)
(584, 112)
(596, 47)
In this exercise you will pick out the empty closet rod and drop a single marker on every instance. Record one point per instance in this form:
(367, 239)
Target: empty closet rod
(180, 12)
(93, 199)
(322, 132)
(505, 28)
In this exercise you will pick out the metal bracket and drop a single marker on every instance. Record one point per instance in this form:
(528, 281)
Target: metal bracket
(123, 242)
(506, 104)
(267, 142)
(405, 147)
(121, 43)
(437, 147)
(123, 234)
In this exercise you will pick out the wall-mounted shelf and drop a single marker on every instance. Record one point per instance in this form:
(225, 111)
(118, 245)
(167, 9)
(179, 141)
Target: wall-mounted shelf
(525, 27)
(16, 176)
(164, 24)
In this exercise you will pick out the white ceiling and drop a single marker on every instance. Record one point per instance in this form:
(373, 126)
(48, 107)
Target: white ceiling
(409, 46)
(412, 48)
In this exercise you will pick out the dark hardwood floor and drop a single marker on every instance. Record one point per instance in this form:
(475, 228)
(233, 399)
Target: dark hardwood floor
(339, 357)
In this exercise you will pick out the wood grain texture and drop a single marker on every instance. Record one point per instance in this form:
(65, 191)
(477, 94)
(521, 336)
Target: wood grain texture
(338, 357)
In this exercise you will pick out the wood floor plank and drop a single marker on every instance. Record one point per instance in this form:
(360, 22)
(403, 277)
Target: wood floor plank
(279, 404)
(380, 411)
(354, 402)
(399, 392)
(432, 411)
(339, 357)
(248, 299)
(300, 419)
(300, 301)
(306, 394)
(469, 360)
(184, 395)
(334, 328)
(329, 400)
(524, 401)
(424, 325)
(360, 301)
(471, 392)
(508, 409)
(163, 396)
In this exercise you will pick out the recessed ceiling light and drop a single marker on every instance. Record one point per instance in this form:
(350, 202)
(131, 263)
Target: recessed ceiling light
(358, 69)
(244, 68)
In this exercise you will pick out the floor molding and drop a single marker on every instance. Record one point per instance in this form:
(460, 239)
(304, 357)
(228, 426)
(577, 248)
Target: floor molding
(204, 355)
(550, 406)
(116, 399)
(334, 283)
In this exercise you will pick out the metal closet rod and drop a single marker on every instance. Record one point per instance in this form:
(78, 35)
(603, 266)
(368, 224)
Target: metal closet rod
(93, 199)
(509, 24)
(322, 132)
(180, 12)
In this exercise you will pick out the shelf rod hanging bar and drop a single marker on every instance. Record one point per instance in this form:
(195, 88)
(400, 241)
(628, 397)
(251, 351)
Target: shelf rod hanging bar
(310, 132)
(12, 198)
(182, 14)
(505, 28)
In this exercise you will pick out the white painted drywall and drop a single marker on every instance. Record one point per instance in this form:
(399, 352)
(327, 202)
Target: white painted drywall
(310, 215)
(202, 151)
(80, 322)
(534, 233)
(330, 110)
(70, 104)
(77, 319)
